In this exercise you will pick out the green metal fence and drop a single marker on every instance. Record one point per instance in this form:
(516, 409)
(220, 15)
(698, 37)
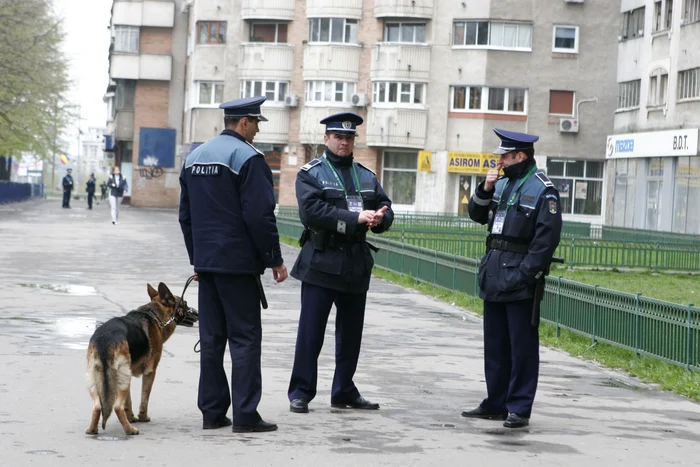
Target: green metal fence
(662, 330)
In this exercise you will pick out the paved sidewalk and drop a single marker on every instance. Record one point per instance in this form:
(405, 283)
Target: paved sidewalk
(62, 271)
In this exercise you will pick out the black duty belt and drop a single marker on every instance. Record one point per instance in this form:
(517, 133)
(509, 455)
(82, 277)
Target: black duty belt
(499, 244)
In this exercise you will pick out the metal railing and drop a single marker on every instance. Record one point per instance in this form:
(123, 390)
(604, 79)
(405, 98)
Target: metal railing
(658, 329)
(11, 192)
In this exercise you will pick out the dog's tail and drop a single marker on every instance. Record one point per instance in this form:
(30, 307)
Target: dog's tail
(107, 371)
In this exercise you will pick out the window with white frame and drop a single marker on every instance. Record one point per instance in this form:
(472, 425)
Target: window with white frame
(405, 32)
(493, 34)
(329, 91)
(398, 93)
(565, 39)
(689, 84)
(125, 94)
(210, 93)
(658, 86)
(663, 15)
(338, 30)
(633, 23)
(482, 99)
(399, 174)
(273, 90)
(691, 11)
(268, 32)
(126, 39)
(580, 185)
(628, 94)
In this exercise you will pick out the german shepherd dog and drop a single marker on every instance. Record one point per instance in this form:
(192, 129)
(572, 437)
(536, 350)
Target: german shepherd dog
(129, 346)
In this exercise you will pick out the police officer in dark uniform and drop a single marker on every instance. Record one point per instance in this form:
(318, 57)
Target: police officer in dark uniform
(524, 222)
(227, 217)
(67, 188)
(339, 201)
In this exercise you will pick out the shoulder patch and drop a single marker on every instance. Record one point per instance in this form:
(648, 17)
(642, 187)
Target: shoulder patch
(366, 168)
(551, 195)
(543, 178)
(311, 165)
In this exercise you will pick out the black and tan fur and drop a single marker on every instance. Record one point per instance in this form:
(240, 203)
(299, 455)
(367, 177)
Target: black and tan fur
(127, 346)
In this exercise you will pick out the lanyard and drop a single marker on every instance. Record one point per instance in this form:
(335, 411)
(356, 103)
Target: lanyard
(340, 181)
(511, 200)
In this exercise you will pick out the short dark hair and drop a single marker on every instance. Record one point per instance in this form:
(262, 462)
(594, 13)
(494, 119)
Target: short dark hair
(231, 121)
(529, 152)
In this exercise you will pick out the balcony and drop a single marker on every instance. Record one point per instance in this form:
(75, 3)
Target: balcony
(141, 66)
(276, 130)
(349, 9)
(406, 62)
(269, 61)
(268, 9)
(403, 9)
(124, 125)
(397, 128)
(332, 62)
(156, 14)
(310, 130)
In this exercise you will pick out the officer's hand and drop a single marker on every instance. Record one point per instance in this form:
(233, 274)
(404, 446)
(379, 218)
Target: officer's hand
(378, 216)
(366, 217)
(196, 277)
(491, 178)
(279, 273)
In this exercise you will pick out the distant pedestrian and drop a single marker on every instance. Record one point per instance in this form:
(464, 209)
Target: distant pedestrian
(117, 185)
(90, 189)
(67, 188)
(103, 187)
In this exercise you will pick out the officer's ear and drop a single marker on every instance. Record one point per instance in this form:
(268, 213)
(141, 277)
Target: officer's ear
(520, 156)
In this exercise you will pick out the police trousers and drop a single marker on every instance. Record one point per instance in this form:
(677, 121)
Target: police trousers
(229, 311)
(511, 357)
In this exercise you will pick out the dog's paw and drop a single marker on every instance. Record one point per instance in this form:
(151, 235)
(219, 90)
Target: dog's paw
(143, 418)
(132, 418)
(132, 431)
(91, 431)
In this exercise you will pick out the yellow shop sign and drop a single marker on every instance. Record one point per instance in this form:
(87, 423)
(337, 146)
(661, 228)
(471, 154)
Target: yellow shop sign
(471, 162)
(425, 161)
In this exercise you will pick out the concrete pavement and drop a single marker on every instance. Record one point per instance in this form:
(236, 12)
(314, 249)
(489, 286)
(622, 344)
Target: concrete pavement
(63, 271)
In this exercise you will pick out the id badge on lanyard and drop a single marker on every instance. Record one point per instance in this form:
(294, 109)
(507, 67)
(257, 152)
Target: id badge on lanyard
(498, 221)
(355, 203)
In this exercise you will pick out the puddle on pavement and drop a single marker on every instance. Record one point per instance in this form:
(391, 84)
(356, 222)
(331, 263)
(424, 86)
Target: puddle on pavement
(42, 452)
(615, 383)
(69, 289)
(71, 332)
(109, 438)
(443, 425)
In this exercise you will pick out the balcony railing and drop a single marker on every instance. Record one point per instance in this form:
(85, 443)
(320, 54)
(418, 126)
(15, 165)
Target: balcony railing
(124, 125)
(268, 9)
(276, 129)
(351, 9)
(400, 62)
(400, 128)
(154, 13)
(141, 66)
(269, 61)
(331, 62)
(403, 9)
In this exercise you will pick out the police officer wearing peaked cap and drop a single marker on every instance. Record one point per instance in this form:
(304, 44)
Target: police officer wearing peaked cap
(339, 201)
(227, 217)
(523, 214)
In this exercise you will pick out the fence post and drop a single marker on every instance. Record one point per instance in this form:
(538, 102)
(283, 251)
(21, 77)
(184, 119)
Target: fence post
(636, 324)
(656, 259)
(435, 266)
(689, 336)
(571, 252)
(558, 326)
(595, 315)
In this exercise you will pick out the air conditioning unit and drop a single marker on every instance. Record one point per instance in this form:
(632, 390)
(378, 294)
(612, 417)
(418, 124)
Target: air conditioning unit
(291, 100)
(568, 125)
(359, 100)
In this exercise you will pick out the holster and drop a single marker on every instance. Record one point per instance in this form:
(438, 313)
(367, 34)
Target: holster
(537, 297)
(319, 240)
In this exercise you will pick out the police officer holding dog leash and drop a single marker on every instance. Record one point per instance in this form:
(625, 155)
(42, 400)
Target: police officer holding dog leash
(523, 214)
(339, 201)
(227, 217)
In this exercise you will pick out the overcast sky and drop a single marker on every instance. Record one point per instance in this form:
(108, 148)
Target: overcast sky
(85, 24)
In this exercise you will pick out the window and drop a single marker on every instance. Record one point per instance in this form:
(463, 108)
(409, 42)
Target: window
(210, 93)
(333, 30)
(565, 39)
(273, 90)
(580, 185)
(658, 84)
(561, 102)
(686, 216)
(655, 175)
(669, 13)
(126, 39)
(273, 157)
(663, 15)
(633, 23)
(689, 84)
(399, 175)
(491, 34)
(268, 32)
(628, 94)
(211, 32)
(624, 191)
(657, 16)
(329, 91)
(398, 93)
(691, 12)
(126, 89)
(404, 32)
(483, 99)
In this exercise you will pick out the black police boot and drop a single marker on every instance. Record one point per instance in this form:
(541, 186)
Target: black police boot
(222, 422)
(481, 413)
(299, 406)
(359, 403)
(516, 421)
(258, 427)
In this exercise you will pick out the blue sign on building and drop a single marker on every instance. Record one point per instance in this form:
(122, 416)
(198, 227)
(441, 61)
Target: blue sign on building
(157, 147)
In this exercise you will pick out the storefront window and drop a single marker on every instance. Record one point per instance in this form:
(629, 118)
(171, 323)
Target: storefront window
(686, 216)
(655, 174)
(580, 185)
(623, 198)
(399, 176)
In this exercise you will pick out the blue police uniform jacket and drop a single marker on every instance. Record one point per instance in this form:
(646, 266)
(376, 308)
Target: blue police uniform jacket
(227, 205)
(345, 263)
(534, 220)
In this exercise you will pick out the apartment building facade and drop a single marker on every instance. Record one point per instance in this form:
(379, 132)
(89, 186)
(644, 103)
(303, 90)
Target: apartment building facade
(145, 98)
(653, 167)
